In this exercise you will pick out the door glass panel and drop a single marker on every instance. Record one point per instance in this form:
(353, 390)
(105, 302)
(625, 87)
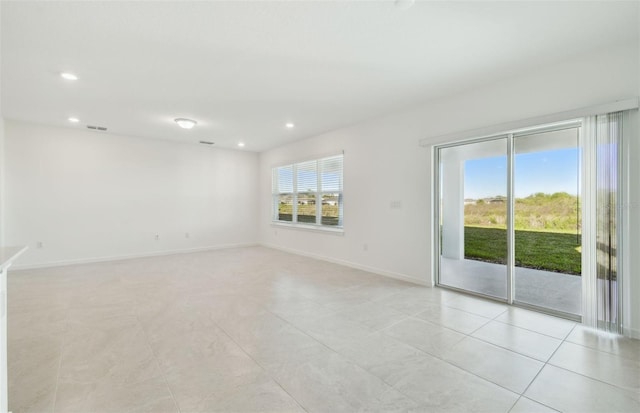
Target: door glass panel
(473, 217)
(547, 221)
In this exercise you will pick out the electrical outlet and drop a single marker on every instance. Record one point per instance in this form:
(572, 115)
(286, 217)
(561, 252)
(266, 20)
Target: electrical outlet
(157, 237)
(395, 204)
(40, 244)
(186, 235)
(365, 247)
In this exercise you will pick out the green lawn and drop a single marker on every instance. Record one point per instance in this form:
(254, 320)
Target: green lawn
(548, 251)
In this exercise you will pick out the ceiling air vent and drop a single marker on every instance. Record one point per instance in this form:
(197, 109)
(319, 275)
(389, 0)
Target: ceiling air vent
(99, 128)
(206, 142)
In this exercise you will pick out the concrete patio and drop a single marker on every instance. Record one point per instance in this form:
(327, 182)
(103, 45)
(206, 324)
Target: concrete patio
(556, 291)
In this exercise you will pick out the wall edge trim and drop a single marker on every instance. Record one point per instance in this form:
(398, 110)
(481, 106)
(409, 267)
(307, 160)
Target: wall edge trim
(63, 263)
(631, 332)
(373, 270)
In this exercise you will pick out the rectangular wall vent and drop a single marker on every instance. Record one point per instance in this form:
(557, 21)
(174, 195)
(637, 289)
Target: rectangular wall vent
(206, 142)
(100, 128)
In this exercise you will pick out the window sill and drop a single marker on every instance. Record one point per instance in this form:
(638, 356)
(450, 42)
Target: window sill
(307, 227)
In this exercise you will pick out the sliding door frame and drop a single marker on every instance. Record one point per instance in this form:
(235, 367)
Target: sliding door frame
(437, 249)
(510, 137)
(511, 237)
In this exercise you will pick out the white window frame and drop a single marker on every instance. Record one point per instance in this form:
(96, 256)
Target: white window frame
(318, 193)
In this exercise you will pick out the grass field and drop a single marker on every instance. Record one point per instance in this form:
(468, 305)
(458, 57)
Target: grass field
(549, 251)
(545, 232)
(538, 212)
(307, 214)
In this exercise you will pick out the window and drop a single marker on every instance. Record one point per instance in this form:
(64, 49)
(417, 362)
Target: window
(309, 193)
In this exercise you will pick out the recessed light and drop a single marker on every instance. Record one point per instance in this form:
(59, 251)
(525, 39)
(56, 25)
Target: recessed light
(68, 76)
(290, 125)
(186, 123)
(241, 144)
(74, 120)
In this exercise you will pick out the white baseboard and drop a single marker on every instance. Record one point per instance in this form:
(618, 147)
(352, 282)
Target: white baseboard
(631, 332)
(62, 263)
(378, 271)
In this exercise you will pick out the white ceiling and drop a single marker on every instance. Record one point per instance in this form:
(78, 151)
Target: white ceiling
(244, 69)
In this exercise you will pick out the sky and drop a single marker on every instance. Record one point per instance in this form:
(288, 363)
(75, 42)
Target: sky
(548, 172)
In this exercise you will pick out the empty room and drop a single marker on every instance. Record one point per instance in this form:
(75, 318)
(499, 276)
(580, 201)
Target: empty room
(319, 206)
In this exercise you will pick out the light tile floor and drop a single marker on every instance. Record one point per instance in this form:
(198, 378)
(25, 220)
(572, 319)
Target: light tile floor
(254, 329)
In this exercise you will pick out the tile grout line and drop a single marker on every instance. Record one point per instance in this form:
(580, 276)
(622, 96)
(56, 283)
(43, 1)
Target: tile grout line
(537, 332)
(520, 395)
(487, 322)
(65, 344)
(568, 370)
(547, 363)
(452, 365)
(155, 358)
(448, 362)
(541, 368)
(534, 401)
(413, 315)
(597, 349)
(62, 348)
(329, 349)
(347, 358)
(508, 349)
(508, 307)
(591, 378)
(476, 314)
(260, 365)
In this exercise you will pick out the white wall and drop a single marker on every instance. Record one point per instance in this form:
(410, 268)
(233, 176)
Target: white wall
(631, 282)
(632, 301)
(1, 154)
(384, 163)
(2, 163)
(88, 195)
(3, 287)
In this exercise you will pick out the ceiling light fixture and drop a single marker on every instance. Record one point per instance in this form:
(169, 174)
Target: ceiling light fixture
(186, 123)
(68, 76)
(241, 144)
(74, 120)
(290, 125)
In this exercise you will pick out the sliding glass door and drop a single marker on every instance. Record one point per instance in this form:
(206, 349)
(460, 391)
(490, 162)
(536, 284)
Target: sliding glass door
(538, 217)
(473, 217)
(510, 219)
(547, 220)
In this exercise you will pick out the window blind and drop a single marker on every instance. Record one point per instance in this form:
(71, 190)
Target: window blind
(309, 192)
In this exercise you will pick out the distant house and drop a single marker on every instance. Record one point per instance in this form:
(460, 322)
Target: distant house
(306, 201)
(330, 200)
(469, 201)
(496, 200)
